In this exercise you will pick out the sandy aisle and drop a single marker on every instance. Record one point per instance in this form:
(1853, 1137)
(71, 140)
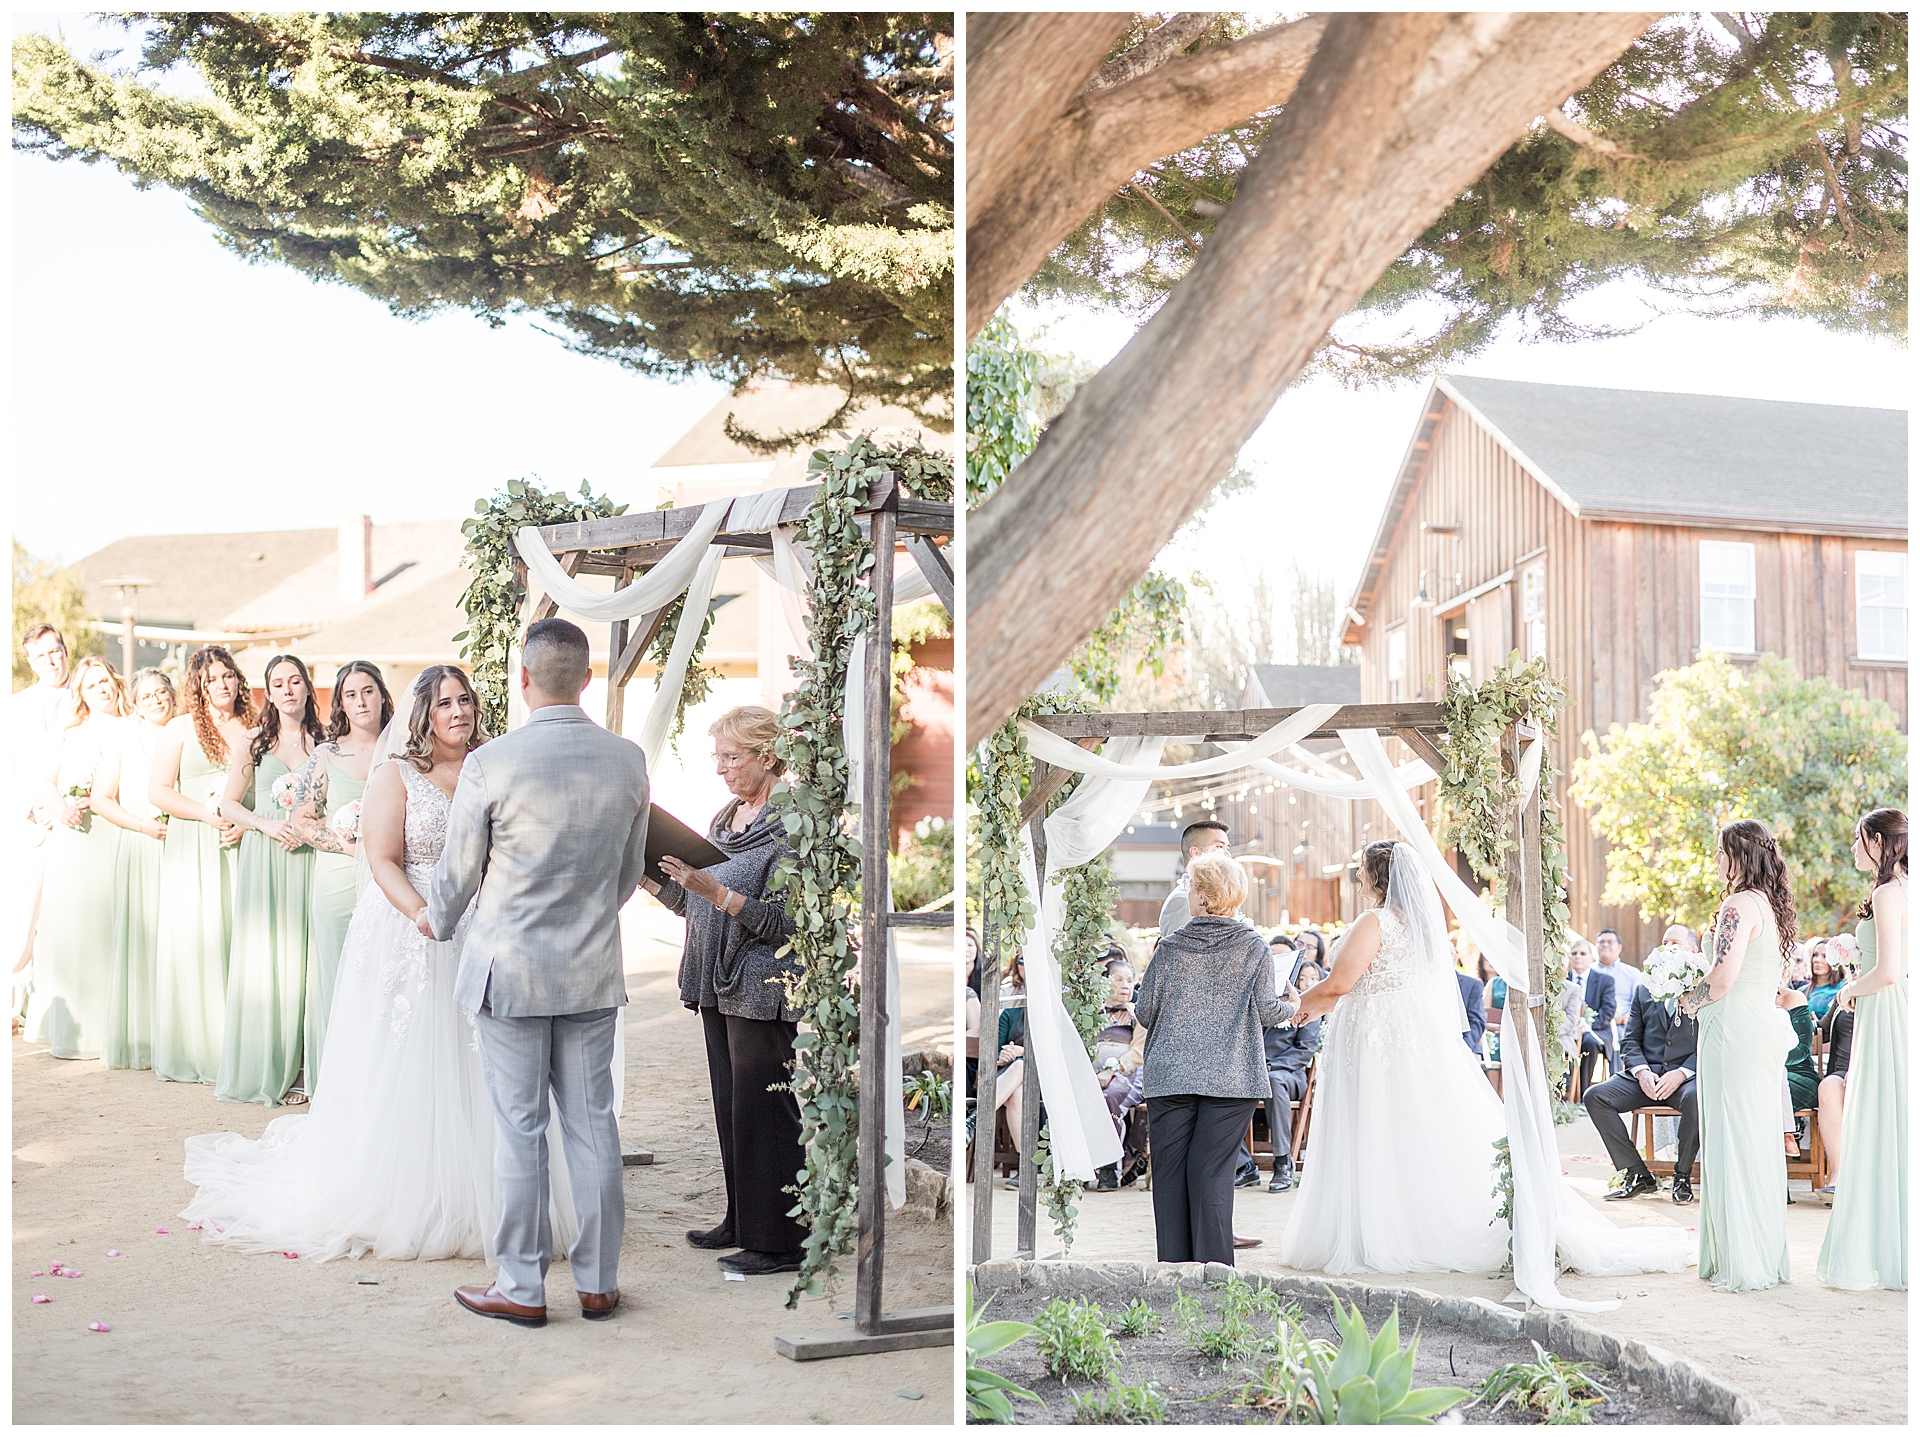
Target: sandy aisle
(204, 1335)
(1761, 1341)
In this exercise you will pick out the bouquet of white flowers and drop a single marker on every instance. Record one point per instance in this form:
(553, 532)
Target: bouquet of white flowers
(284, 788)
(346, 822)
(1672, 970)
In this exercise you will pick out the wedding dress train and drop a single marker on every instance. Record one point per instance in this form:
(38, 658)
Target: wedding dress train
(395, 1155)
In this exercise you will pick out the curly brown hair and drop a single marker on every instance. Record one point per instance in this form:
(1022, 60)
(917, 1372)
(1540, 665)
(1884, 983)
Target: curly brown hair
(1889, 827)
(1756, 864)
(204, 728)
(426, 688)
(1376, 866)
(269, 734)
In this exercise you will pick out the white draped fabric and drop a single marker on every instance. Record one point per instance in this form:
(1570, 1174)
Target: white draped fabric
(658, 723)
(1080, 1130)
(655, 589)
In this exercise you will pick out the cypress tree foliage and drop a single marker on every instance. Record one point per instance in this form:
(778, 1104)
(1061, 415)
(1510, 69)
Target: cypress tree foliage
(734, 195)
(1744, 164)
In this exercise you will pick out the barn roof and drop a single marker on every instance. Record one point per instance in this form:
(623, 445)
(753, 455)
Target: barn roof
(1631, 453)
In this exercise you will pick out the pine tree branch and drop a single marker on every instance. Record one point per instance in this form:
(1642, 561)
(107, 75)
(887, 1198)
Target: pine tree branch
(1178, 228)
(1560, 122)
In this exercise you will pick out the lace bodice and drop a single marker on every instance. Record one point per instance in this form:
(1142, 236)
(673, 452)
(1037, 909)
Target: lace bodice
(1392, 968)
(427, 810)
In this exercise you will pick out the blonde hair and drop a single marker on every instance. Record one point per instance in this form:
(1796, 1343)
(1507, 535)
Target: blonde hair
(1218, 882)
(78, 710)
(754, 728)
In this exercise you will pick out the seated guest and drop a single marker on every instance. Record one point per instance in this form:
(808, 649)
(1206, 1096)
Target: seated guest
(1117, 1058)
(1681, 936)
(1659, 1048)
(1495, 1007)
(1596, 1033)
(1836, 1031)
(1290, 1051)
(1205, 998)
(1010, 1048)
(1800, 968)
(1626, 978)
(1803, 1081)
(1825, 977)
(1473, 997)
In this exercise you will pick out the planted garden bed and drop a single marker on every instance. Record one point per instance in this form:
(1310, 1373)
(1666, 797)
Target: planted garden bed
(1181, 1343)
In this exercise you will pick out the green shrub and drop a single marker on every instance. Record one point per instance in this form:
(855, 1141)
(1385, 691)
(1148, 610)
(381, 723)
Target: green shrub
(1118, 1406)
(1561, 1392)
(989, 1395)
(1074, 1341)
(1370, 1379)
(1138, 1320)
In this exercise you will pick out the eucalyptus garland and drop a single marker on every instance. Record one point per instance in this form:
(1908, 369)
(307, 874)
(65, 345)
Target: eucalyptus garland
(819, 883)
(1477, 797)
(492, 599)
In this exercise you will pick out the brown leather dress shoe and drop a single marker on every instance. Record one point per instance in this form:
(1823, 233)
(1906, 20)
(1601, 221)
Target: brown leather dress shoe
(599, 1306)
(488, 1303)
(1239, 1241)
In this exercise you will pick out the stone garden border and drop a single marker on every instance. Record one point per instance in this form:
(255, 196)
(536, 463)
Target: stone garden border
(1679, 1380)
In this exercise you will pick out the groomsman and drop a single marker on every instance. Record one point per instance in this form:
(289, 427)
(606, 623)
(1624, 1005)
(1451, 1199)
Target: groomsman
(1626, 980)
(1659, 1050)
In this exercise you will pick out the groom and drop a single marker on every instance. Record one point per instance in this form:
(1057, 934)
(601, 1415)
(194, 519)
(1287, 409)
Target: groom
(549, 825)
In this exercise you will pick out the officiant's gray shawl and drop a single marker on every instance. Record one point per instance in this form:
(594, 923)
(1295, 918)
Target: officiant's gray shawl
(549, 826)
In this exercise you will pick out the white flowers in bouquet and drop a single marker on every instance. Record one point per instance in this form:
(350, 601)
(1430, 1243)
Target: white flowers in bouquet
(346, 823)
(1672, 970)
(284, 788)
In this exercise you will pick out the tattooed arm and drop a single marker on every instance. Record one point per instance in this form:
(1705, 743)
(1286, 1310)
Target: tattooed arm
(1728, 947)
(310, 801)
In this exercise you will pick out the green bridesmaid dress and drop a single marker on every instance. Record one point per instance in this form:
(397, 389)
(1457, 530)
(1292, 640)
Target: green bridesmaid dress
(1743, 1167)
(334, 877)
(136, 912)
(1866, 1242)
(196, 917)
(267, 969)
(73, 951)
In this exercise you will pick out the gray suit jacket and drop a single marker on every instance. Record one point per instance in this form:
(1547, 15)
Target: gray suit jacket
(549, 825)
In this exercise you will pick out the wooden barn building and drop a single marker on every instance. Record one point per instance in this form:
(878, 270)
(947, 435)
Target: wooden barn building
(1622, 533)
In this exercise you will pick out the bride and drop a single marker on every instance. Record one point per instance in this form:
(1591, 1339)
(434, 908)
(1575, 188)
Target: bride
(395, 1154)
(1404, 1122)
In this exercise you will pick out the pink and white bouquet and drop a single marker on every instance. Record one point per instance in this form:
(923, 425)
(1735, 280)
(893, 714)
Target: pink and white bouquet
(346, 823)
(284, 789)
(1672, 970)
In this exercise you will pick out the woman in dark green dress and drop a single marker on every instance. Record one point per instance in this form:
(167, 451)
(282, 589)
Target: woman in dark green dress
(326, 813)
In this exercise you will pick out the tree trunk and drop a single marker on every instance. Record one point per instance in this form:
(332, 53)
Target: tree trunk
(1020, 206)
(1396, 115)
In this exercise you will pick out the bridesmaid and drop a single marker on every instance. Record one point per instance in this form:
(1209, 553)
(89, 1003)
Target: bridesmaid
(326, 809)
(67, 1008)
(1866, 1242)
(267, 969)
(1743, 1208)
(120, 796)
(196, 868)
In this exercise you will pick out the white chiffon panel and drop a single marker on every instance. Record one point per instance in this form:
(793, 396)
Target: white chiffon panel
(395, 1155)
(1548, 1215)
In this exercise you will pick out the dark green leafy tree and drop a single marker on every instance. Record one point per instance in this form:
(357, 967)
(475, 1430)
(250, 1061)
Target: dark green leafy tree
(726, 194)
(1741, 164)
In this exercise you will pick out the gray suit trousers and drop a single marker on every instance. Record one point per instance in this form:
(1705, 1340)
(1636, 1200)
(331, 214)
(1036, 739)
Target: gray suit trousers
(571, 1054)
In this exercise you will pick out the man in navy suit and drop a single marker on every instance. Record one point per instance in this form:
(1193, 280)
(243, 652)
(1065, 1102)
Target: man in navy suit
(1596, 1035)
(1473, 996)
(1658, 1049)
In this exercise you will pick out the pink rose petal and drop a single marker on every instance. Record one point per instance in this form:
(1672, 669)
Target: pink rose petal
(36, 1274)
(71, 1273)
(289, 1254)
(160, 1232)
(41, 1297)
(195, 1227)
(98, 1327)
(113, 1252)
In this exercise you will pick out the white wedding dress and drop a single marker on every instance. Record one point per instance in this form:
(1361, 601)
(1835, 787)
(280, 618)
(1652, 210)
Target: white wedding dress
(1398, 1174)
(395, 1155)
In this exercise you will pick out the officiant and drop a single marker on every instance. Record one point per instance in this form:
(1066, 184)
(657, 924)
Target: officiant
(1657, 1047)
(732, 974)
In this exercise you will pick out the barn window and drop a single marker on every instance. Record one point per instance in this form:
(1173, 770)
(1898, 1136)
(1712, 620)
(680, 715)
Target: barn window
(1396, 665)
(1533, 608)
(1726, 597)
(1880, 603)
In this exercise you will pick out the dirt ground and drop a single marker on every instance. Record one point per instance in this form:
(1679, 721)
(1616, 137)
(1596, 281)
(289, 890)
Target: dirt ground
(1763, 1342)
(200, 1334)
(1203, 1392)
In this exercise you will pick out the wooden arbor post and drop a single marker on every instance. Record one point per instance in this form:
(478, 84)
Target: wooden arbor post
(625, 544)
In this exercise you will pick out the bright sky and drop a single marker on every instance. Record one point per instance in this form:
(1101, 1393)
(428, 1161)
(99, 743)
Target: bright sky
(1326, 456)
(161, 385)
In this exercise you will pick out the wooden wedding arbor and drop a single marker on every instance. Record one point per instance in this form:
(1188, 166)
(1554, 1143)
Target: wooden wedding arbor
(892, 519)
(1421, 726)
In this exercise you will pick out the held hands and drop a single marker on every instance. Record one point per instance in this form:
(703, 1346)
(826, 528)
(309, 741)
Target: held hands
(426, 928)
(1649, 1083)
(1010, 1052)
(73, 811)
(229, 832)
(1843, 1000)
(1669, 1083)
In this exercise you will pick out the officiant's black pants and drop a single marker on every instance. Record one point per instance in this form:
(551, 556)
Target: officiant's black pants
(759, 1131)
(1196, 1148)
(1607, 1101)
